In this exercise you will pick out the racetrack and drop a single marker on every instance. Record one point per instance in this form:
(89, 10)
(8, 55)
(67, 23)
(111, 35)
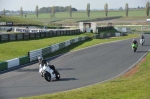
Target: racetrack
(78, 69)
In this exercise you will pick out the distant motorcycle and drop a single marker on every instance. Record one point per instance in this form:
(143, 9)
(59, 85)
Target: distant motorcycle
(142, 41)
(134, 47)
(49, 73)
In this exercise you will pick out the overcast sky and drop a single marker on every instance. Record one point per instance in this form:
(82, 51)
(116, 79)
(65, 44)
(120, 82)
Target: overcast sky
(79, 4)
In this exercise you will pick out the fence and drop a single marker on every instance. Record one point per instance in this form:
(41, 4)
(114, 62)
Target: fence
(105, 35)
(104, 28)
(21, 36)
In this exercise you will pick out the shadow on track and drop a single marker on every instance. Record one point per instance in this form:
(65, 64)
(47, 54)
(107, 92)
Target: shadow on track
(141, 51)
(66, 79)
(65, 69)
(146, 45)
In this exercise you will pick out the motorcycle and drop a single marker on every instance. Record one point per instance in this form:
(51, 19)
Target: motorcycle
(134, 47)
(142, 41)
(49, 73)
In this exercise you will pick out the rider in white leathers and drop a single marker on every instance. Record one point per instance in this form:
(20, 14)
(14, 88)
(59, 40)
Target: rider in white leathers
(43, 62)
(142, 39)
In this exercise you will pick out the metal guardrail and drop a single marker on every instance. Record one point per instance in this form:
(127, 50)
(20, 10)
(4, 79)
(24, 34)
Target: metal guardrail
(21, 36)
(33, 55)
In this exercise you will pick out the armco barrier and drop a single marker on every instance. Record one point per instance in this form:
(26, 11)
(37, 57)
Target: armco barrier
(67, 43)
(54, 47)
(46, 50)
(13, 62)
(23, 60)
(61, 45)
(27, 35)
(3, 66)
(33, 55)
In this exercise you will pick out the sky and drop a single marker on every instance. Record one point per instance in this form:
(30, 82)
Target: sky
(29, 5)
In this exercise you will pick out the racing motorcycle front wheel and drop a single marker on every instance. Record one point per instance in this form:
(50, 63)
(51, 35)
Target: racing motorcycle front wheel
(47, 76)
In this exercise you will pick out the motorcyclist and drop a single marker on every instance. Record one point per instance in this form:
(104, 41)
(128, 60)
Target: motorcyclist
(142, 39)
(43, 62)
(135, 42)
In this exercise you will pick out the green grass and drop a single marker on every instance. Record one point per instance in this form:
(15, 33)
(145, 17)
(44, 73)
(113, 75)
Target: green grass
(18, 21)
(63, 17)
(134, 86)
(81, 15)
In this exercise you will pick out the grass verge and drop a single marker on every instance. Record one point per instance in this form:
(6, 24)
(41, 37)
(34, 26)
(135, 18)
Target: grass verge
(19, 21)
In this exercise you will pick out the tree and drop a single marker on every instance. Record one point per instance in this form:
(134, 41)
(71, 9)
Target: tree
(36, 10)
(57, 9)
(4, 12)
(21, 12)
(120, 8)
(126, 9)
(70, 11)
(138, 7)
(88, 9)
(106, 9)
(53, 11)
(147, 9)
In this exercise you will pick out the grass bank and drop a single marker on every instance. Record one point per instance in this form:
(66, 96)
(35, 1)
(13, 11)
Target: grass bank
(63, 17)
(19, 21)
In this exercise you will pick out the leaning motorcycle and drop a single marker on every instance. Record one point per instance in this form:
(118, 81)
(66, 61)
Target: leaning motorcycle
(142, 41)
(48, 73)
(134, 47)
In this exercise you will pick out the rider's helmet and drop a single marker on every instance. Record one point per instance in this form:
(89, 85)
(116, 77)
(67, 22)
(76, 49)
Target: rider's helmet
(40, 59)
(142, 35)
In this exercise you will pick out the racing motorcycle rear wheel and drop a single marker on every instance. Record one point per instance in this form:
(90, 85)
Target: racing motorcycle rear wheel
(57, 75)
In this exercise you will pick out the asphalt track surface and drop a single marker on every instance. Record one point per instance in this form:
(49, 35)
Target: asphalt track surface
(78, 69)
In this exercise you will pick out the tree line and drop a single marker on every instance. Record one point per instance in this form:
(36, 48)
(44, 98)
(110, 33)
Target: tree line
(57, 9)
(54, 9)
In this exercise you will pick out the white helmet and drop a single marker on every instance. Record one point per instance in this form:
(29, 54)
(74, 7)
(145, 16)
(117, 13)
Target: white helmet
(40, 58)
(133, 39)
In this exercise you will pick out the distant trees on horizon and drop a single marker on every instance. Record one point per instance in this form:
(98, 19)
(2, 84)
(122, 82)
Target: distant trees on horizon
(54, 9)
(57, 9)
